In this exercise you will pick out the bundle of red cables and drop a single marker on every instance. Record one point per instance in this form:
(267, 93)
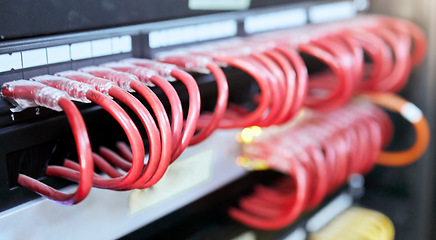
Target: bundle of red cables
(319, 152)
(274, 60)
(114, 80)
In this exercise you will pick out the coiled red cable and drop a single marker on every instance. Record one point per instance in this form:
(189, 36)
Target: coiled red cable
(379, 53)
(256, 116)
(290, 88)
(356, 134)
(84, 152)
(122, 118)
(301, 80)
(400, 44)
(285, 217)
(344, 88)
(393, 46)
(160, 148)
(147, 75)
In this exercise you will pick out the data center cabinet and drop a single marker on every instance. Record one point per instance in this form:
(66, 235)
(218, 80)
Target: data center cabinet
(193, 197)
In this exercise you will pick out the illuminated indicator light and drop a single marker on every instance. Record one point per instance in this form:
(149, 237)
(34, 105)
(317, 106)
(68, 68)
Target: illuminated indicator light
(242, 161)
(248, 134)
(256, 131)
(256, 164)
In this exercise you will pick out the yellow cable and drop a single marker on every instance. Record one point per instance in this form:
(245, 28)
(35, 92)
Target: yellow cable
(357, 223)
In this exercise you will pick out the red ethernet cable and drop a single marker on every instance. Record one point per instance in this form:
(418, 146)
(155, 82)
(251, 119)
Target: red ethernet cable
(350, 136)
(86, 93)
(144, 79)
(145, 181)
(334, 153)
(369, 143)
(400, 44)
(166, 69)
(373, 130)
(321, 135)
(176, 106)
(326, 50)
(365, 135)
(357, 130)
(320, 187)
(340, 148)
(148, 76)
(364, 148)
(255, 117)
(379, 53)
(293, 93)
(289, 205)
(359, 158)
(160, 149)
(290, 89)
(124, 150)
(314, 162)
(301, 77)
(262, 75)
(277, 86)
(273, 67)
(420, 43)
(273, 197)
(28, 94)
(386, 124)
(357, 55)
(297, 154)
(130, 81)
(201, 64)
(270, 203)
(286, 217)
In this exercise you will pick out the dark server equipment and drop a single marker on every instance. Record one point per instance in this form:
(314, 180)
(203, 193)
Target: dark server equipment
(195, 119)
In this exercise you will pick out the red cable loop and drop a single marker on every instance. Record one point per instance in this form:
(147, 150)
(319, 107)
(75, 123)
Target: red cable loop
(400, 45)
(220, 107)
(302, 77)
(286, 217)
(83, 147)
(290, 88)
(341, 93)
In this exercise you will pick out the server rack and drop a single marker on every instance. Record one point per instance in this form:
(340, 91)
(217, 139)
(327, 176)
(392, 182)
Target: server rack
(13, 43)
